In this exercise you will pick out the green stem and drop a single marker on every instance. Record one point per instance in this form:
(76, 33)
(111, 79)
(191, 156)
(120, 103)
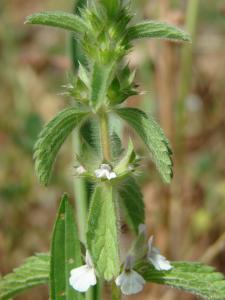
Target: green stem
(186, 70)
(116, 293)
(105, 137)
(80, 192)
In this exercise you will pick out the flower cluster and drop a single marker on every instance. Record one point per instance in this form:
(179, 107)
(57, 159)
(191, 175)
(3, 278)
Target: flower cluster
(103, 172)
(129, 281)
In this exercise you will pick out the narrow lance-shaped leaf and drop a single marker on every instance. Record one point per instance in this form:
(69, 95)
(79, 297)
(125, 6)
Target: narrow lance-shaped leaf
(132, 202)
(99, 84)
(59, 19)
(192, 277)
(34, 272)
(65, 253)
(155, 29)
(153, 137)
(51, 139)
(102, 238)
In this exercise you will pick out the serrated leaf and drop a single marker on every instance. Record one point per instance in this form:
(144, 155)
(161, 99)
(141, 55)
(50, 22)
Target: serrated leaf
(102, 236)
(153, 137)
(99, 84)
(195, 278)
(59, 19)
(155, 29)
(132, 201)
(65, 253)
(34, 272)
(51, 139)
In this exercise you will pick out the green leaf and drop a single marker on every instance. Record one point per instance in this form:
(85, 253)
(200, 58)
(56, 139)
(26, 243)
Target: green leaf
(132, 201)
(34, 272)
(65, 253)
(59, 19)
(102, 237)
(126, 160)
(155, 29)
(153, 137)
(99, 84)
(192, 277)
(111, 6)
(51, 139)
(116, 146)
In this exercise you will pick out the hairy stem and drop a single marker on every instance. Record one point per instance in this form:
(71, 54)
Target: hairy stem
(186, 70)
(105, 138)
(116, 293)
(80, 194)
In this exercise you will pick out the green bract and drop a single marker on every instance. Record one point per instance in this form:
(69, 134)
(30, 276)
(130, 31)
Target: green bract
(102, 231)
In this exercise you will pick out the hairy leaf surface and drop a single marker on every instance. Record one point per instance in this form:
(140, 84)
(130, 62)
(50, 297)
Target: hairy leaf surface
(112, 6)
(59, 19)
(34, 272)
(65, 253)
(99, 84)
(155, 29)
(51, 139)
(132, 201)
(153, 137)
(192, 277)
(102, 237)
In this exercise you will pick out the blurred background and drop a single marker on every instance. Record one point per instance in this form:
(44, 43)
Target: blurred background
(184, 88)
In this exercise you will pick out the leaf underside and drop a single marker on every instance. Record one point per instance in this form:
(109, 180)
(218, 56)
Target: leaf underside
(58, 19)
(34, 272)
(102, 237)
(65, 253)
(195, 278)
(153, 137)
(155, 29)
(132, 201)
(51, 139)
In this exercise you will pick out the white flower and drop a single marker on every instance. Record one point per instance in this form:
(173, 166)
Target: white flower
(82, 278)
(105, 171)
(129, 280)
(158, 260)
(80, 170)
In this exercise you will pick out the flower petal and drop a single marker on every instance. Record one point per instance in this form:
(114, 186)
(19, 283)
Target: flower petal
(158, 260)
(82, 278)
(105, 167)
(130, 282)
(80, 170)
(111, 175)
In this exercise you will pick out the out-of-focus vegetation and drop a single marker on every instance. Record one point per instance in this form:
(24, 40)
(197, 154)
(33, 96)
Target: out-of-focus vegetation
(186, 218)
